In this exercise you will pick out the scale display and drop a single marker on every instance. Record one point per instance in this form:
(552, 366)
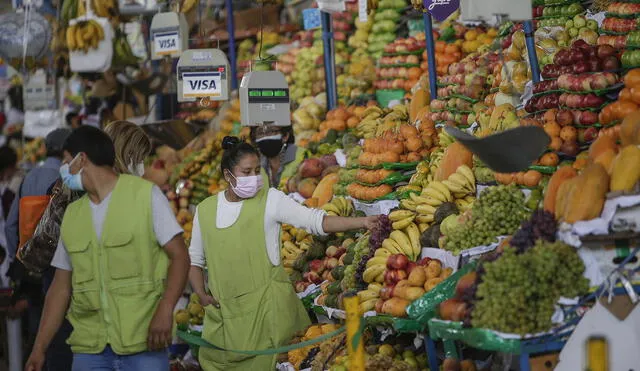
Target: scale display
(264, 99)
(203, 73)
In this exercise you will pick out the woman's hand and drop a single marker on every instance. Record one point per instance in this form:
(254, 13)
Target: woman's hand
(208, 300)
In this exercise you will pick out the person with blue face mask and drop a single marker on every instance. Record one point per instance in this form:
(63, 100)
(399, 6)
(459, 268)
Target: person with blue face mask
(121, 265)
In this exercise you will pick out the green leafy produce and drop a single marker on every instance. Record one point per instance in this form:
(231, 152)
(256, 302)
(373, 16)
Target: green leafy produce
(518, 292)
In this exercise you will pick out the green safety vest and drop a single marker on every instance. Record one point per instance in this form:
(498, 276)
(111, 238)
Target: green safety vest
(258, 306)
(118, 280)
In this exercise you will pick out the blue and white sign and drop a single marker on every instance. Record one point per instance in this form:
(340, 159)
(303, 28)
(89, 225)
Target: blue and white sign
(166, 43)
(311, 18)
(201, 84)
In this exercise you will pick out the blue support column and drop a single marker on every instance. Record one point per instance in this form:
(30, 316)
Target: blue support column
(329, 61)
(431, 53)
(531, 50)
(432, 355)
(232, 45)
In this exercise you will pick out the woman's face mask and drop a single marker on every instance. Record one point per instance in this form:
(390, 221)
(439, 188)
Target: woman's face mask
(137, 170)
(270, 146)
(73, 181)
(247, 186)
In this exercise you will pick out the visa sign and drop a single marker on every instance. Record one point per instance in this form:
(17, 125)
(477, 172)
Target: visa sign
(201, 84)
(166, 43)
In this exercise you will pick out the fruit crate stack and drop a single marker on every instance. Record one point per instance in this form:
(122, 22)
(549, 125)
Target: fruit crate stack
(551, 13)
(581, 81)
(621, 29)
(467, 84)
(386, 20)
(399, 67)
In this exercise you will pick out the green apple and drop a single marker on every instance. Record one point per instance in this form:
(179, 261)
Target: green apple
(569, 24)
(579, 21)
(592, 24)
(575, 8)
(573, 32)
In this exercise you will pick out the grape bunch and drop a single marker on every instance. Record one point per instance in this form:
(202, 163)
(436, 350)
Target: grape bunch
(378, 234)
(518, 291)
(497, 212)
(542, 225)
(351, 275)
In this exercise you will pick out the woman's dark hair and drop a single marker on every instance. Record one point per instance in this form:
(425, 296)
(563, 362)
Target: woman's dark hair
(284, 130)
(15, 97)
(234, 151)
(8, 158)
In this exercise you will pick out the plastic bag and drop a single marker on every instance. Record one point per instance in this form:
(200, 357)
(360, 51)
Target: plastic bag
(424, 309)
(474, 337)
(36, 253)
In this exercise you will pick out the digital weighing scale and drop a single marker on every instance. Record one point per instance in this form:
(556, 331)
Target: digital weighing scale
(264, 99)
(169, 35)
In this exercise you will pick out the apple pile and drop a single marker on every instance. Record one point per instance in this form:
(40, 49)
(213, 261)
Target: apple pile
(582, 58)
(406, 281)
(621, 25)
(542, 102)
(320, 269)
(404, 59)
(545, 86)
(406, 45)
(581, 101)
(587, 82)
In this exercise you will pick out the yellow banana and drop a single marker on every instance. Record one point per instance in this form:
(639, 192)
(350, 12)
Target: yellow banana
(454, 187)
(386, 253)
(413, 233)
(431, 192)
(420, 200)
(442, 188)
(392, 246)
(369, 275)
(71, 38)
(402, 224)
(467, 173)
(367, 295)
(403, 241)
(99, 29)
(380, 277)
(397, 215)
(374, 287)
(423, 219)
(369, 305)
(377, 260)
(79, 37)
(425, 210)
(408, 204)
(330, 207)
(423, 227)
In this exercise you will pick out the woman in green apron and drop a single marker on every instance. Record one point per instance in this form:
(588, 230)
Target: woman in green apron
(236, 236)
(280, 156)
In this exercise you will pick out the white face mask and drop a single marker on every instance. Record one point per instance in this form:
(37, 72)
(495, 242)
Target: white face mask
(137, 170)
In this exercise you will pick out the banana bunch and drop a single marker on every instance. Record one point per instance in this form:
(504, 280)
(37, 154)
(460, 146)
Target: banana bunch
(465, 203)
(462, 182)
(187, 5)
(435, 159)
(405, 242)
(105, 8)
(417, 4)
(295, 241)
(369, 297)
(339, 206)
(84, 35)
(372, 4)
(122, 53)
(445, 139)
(370, 119)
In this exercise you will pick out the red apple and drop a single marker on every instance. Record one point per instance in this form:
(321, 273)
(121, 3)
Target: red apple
(604, 51)
(564, 117)
(312, 277)
(592, 101)
(397, 261)
(588, 118)
(610, 63)
(410, 267)
(598, 81)
(386, 292)
(317, 266)
(569, 148)
(331, 263)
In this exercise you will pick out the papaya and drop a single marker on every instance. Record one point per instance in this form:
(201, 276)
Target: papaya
(557, 179)
(602, 145)
(625, 170)
(455, 156)
(562, 196)
(606, 159)
(588, 195)
(419, 100)
(630, 129)
(324, 190)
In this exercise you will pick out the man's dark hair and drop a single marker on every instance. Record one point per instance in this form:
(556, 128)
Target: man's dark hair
(8, 158)
(15, 97)
(94, 142)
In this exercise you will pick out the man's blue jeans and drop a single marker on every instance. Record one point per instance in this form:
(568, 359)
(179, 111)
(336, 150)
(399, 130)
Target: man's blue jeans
(109, 361)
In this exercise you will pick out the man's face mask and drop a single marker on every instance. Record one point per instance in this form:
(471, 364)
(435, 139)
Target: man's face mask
(270, 146)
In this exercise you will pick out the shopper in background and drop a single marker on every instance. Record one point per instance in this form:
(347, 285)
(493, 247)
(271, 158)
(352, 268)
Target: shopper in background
(236, 235)
(132, 146)
(124, 285)
(8, 170)
(280, 156)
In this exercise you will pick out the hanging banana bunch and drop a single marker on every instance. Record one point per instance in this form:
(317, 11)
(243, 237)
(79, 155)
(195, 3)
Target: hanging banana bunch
(105, 8)
(84, 35)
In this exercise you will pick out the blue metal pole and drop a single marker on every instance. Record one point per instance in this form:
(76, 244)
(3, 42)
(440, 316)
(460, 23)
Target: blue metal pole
(431, 53)
(329, 60)
(232, 45)
(531, 50)
(432, 355)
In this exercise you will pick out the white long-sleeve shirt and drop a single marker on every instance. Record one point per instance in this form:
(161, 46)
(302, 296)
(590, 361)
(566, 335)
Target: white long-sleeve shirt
(280, 209)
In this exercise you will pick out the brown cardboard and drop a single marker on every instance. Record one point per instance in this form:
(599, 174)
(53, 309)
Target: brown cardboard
(546, 362)
(620, 306)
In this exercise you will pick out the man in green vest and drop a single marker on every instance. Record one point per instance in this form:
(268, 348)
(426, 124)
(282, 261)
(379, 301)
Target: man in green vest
(121, 265)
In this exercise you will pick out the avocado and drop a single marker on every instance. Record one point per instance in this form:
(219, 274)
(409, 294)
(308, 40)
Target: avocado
(331, 301)
(444, 211)
(331, 137)
(316, 251)
(334, 288)
(348, 259)
(338, 272)
(299, 263)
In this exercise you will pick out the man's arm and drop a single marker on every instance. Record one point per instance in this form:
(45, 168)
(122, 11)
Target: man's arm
(161, 324)
(55, 308)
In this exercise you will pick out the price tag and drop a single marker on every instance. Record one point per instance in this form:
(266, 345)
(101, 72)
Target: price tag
(362, 11)
(166, 43)
(201, 84)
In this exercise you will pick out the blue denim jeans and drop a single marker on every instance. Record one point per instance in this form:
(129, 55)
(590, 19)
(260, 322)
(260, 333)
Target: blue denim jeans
(109, 361)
